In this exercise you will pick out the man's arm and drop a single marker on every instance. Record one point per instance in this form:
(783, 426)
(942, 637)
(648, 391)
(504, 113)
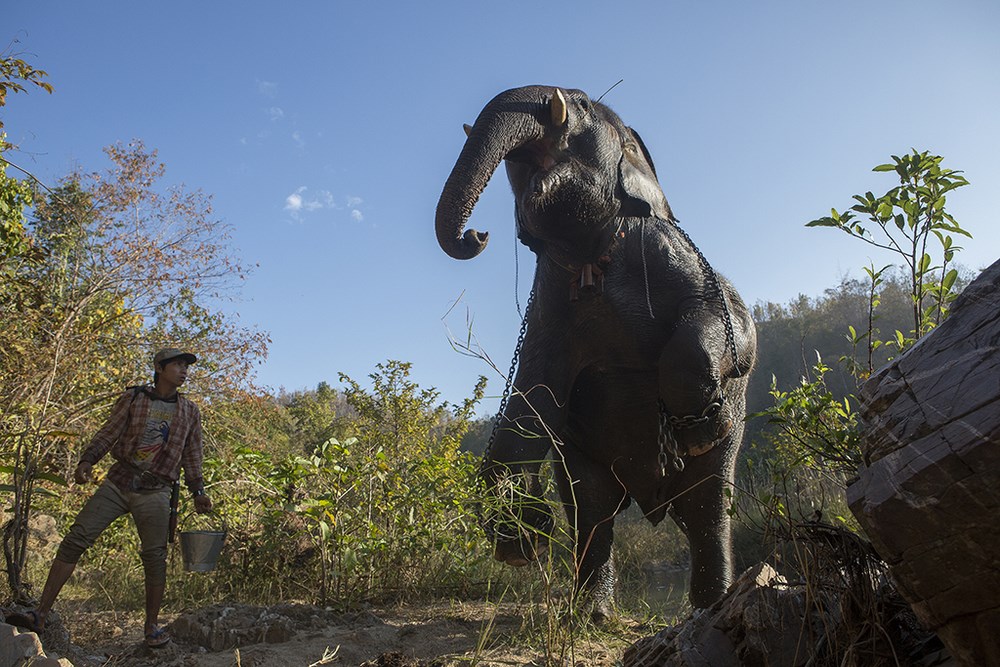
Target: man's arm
(105, 438)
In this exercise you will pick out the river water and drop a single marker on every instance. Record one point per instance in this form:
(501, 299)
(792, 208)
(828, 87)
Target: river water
(662, 589)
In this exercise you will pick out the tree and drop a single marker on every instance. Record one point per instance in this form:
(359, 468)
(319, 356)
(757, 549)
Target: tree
(126, 265)
(818, 429)
(386, 491)
(15, 196)
(412, 485)
(14, 74)
(317, 415)
(903, 221)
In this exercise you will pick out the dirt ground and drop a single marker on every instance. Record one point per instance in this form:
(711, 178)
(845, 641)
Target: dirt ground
(427, 635)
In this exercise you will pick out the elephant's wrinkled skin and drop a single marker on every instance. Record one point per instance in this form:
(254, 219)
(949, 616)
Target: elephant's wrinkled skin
(625, 315)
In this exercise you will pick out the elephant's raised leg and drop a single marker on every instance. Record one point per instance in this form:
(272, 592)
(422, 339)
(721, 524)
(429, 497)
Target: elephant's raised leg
(517, 516)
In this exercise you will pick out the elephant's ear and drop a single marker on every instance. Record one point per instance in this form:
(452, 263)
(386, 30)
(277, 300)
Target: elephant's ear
(642, 196)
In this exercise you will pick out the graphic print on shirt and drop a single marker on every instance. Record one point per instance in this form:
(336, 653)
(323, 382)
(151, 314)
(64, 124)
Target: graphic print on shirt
(156, 433)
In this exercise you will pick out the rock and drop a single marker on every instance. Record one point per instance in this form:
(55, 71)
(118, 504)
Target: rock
(758, 622)
(929, 494)
(22, 648)
(43, 536)
(840, 615)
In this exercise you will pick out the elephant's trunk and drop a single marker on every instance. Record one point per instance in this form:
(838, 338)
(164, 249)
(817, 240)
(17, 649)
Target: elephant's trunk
(510, 120)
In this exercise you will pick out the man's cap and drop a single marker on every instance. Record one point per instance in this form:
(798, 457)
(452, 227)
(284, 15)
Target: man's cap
(170, 353)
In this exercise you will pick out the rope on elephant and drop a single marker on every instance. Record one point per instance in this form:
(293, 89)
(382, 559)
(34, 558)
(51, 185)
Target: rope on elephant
(645, 270)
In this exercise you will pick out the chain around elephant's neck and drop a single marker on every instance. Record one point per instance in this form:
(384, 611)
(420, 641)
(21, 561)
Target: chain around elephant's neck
(711, 277)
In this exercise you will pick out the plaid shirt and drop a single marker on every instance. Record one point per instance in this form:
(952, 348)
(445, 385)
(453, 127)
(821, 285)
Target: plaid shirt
(122, 432)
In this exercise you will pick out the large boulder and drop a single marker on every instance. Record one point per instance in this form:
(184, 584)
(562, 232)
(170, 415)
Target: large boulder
(18, 648)
(842, 612)
(744, 629)
(929, 494)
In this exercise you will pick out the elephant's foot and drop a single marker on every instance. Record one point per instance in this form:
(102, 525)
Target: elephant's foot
(603, 612)
(709, 586)
(518, 553)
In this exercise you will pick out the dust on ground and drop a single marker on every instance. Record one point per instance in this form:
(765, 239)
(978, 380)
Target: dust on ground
(443, 634)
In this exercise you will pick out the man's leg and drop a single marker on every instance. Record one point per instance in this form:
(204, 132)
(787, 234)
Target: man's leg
(106, 505)
(151, 513)
(59, 574)
(154, 599)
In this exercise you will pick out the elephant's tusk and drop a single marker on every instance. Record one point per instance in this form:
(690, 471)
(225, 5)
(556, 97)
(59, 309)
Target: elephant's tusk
(467, 128)
(558, 109)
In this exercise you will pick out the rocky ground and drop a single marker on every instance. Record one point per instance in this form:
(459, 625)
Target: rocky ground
(762, 620)
(436, 635)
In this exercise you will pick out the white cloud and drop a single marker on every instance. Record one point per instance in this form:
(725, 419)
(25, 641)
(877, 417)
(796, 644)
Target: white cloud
(267, 88)
(297, 138)
(293, 202)
(304, 201)
(274, 113)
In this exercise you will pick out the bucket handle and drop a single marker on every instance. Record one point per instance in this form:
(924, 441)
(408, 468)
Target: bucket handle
(212, 512)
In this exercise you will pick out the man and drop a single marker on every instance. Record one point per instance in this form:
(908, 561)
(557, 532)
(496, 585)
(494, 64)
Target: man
(152, 432)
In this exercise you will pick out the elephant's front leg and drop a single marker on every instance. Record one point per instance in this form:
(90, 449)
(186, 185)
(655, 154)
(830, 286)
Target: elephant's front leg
(592, 497)
(517, 515)
(700, 508)
(703, 403)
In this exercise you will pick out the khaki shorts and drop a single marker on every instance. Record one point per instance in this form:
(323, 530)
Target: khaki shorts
(150, 512)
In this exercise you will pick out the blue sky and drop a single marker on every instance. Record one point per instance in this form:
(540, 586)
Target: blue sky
(325, 131)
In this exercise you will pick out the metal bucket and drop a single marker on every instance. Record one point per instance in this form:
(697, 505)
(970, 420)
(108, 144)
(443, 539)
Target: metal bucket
(200, 549)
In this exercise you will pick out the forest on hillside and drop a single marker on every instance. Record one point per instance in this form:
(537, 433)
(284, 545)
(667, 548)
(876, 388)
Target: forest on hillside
(326, 490)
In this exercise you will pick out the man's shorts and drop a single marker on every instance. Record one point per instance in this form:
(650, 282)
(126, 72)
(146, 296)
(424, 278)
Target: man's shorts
(150, 512)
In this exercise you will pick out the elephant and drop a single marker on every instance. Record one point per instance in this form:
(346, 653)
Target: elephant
(635, 355)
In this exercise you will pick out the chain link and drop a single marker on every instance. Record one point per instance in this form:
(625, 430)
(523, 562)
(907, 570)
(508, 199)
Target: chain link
(669, 446)
(713, 279)
(669, 453)
(510, 381)
(494, 529)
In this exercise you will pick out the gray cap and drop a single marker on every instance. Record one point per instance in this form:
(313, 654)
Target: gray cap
(170, 353)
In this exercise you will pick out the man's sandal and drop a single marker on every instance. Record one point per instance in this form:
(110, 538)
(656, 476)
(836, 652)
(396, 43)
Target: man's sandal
(157, 638)
(27, 620)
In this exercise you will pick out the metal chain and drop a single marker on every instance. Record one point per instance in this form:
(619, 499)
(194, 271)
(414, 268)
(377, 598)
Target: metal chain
(669, 424)
(713, 279)
(510, 380)
(669, 446)
(492, 530)
(690, 421)
(668, 443)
